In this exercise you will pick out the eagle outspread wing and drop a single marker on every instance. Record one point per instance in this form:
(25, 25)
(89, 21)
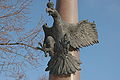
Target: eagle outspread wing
(48, 40)
(82, 34)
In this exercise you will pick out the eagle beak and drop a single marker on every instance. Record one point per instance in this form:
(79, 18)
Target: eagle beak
(49, 10)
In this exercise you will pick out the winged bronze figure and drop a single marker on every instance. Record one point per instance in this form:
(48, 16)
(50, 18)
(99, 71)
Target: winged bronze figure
(78, 35)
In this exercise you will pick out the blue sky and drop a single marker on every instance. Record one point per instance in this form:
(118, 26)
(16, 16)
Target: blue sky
(101, 61)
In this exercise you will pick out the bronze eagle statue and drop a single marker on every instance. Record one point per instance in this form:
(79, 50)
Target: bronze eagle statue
(64, 37)
(80, 35)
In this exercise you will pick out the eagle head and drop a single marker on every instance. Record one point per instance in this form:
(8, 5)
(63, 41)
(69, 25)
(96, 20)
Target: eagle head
(52, 12)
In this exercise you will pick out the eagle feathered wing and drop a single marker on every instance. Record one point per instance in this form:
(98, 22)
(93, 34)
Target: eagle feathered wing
(48, 34)
(82, 34)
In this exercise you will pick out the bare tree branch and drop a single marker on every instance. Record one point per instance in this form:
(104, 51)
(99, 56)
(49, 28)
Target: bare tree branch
(18, 45)
(12, 14)
(36, 48)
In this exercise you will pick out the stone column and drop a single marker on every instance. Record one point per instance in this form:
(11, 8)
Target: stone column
(68, 10)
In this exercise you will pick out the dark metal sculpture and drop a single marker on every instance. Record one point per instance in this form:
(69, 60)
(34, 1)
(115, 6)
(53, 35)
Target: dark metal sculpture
(63, 63)
(63, 37)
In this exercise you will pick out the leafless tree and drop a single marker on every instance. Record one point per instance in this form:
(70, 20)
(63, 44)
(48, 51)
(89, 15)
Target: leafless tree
(17, 45)
(44, 77)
